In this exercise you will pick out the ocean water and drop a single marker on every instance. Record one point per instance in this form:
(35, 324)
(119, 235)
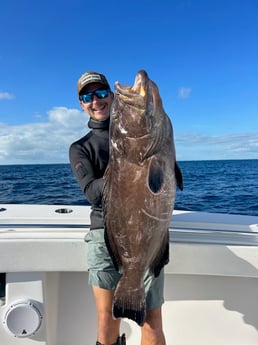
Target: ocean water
(224, 186)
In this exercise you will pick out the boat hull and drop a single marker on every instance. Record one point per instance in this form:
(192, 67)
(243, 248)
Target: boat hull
(211, 281)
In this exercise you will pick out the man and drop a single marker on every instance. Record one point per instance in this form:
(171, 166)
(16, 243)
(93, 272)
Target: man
(89, 158)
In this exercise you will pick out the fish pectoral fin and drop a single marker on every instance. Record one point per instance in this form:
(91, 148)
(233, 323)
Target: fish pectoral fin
(129, 303)
(156, 176)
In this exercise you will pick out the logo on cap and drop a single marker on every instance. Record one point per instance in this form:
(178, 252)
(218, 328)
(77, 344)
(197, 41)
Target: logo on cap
(92, 77)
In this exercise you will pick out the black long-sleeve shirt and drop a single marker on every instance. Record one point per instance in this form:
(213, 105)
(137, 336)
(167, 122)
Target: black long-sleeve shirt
(89, 158)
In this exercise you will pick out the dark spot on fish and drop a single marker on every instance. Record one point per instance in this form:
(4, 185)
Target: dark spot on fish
(156, 176)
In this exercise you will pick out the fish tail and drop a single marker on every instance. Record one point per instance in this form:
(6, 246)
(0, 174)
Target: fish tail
(129, 303)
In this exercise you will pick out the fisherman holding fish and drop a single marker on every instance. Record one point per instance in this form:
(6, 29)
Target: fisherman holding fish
(125, 282)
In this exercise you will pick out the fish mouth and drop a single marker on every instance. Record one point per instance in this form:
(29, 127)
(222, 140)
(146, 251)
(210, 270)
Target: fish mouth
(138, 91)
(141, 83)
(137, 108)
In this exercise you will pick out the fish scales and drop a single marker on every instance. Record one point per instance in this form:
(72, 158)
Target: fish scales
(139, 191)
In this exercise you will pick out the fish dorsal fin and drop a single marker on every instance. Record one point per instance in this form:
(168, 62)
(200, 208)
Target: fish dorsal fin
(179, 177)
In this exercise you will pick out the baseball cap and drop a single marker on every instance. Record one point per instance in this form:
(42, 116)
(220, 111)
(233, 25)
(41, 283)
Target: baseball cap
(91, 77)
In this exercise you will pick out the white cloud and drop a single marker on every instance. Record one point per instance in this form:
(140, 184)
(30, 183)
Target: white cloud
(194, 146)
(6, 95)
(67, 118)
(184, 92)
(42, 142)
(49, 141)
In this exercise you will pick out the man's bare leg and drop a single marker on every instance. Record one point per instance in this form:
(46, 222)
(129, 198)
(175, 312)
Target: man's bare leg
(152, 331)
(108, 328)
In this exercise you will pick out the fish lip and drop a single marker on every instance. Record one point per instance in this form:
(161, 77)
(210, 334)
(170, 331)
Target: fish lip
(139, 90)
(126, 91)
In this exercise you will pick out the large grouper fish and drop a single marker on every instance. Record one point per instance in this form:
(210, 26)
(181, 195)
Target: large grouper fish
(139, 191)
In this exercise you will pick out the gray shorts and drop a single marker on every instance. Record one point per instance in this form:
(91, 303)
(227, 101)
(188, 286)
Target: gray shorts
(102, 272)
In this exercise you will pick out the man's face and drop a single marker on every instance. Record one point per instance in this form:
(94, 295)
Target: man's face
(98, 109)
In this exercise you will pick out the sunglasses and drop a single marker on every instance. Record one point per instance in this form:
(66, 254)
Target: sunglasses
(88, 97)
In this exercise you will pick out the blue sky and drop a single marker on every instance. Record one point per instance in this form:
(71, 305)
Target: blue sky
(202, 54)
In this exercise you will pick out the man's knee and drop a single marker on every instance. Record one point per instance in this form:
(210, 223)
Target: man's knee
(153, 322)
(105, 316)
